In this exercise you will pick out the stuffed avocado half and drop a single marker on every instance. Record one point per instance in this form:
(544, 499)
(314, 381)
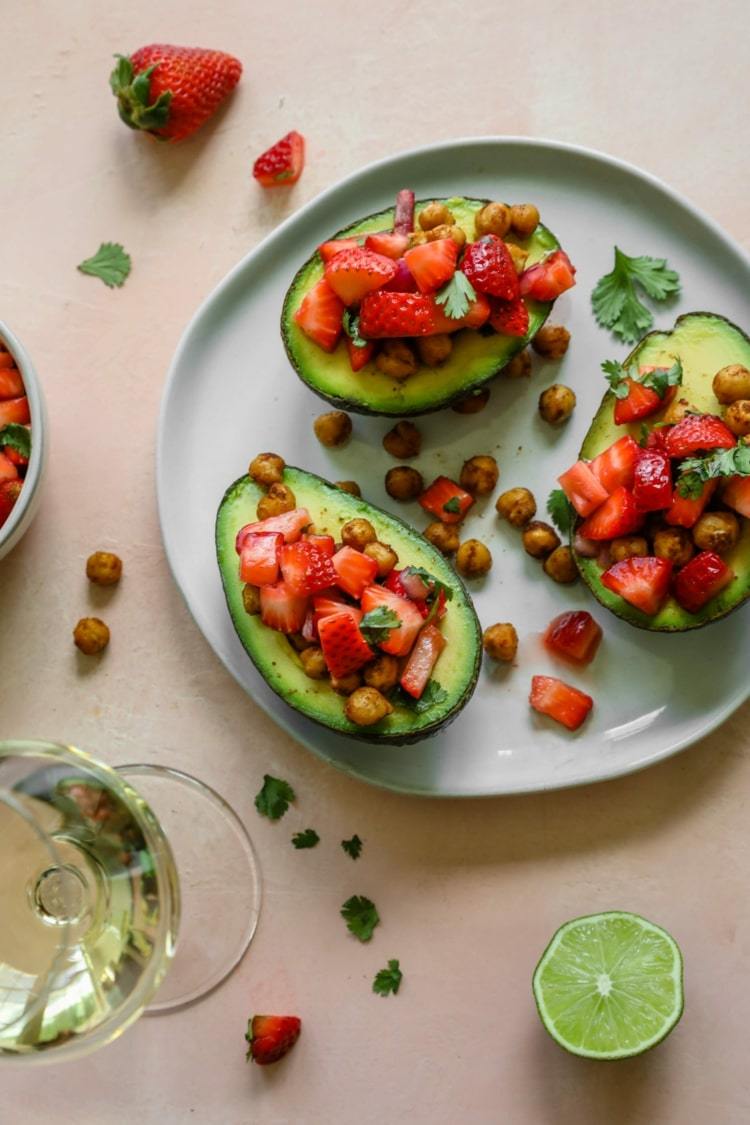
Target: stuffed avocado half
(452, 678)
(477, 353)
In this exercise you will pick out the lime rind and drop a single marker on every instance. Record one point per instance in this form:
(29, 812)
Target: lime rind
(610, 985)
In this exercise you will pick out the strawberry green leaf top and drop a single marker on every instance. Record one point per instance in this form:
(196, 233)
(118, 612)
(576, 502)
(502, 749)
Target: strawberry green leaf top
(111, 264)
(274, 797)
(388, 980)
(695, 471)
(615, 298)
(560, 510)
(456, 296)
(659, 380)
(307, 839)
(352, 847)
(17, 437)
(361, 916)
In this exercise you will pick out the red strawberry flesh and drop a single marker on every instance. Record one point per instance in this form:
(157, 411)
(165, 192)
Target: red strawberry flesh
(489, 267)
(559, 701)
(700, 580)
(574, 635)
(642, 582)
(345, 650)
(271, 1037)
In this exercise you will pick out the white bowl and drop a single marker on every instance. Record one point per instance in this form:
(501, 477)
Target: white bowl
(28, 501)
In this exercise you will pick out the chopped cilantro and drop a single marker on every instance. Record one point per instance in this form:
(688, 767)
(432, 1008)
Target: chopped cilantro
(456, 296)
(453, 505)
(110, 263)
(433, 694)
(361, 916)
(615, 298)
(378, 623)
(659, 380)
(17, 437)
(696, 471)
(273, 799)
(561, 511)
(352, 847)
(350, 324)
(307, 839)
(388, 980)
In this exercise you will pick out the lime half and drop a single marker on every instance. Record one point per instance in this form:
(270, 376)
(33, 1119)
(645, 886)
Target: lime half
(609, 986)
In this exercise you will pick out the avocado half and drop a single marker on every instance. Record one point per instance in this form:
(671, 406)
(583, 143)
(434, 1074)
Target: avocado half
(703, 342)
(475, 359)
(279, 664)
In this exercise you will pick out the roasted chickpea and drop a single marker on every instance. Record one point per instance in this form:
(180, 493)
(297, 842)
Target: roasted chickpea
(103, 568)
(435, 214)
(517, 506)
(397, 359)
(551, 341)
(473, 559)
(479, 474)
(251, 599)
(561, 566)
(519, 256)
(358, 533)
(677, 410)
(403, 441)
(347, 684)
(278, 499)
(716, 531)
(434, 350)
(383, 673)
(519, 367)
(556, 404)
(454, 232)
(313, 663)
(732, 383)
(91, 636)
(402, 482)
(267, 468)
(628, 547)
(417, 238)
(349, 486)
(472, 404)
(673, 544)
(500, 642)
(737, 417)
(524, 218)
(366, 706)
(384, 556)
(539, 539)
(443, 536)
(494, 218)
(333, 429)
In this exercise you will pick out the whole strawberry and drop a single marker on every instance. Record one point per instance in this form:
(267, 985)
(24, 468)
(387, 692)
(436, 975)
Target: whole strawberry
(171, 91)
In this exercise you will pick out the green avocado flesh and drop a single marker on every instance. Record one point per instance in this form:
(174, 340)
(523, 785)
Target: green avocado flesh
(474, 360)
(457, 667)
(704, 343)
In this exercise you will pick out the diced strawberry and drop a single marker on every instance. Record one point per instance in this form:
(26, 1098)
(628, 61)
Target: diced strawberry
(700, 580)
(561, 702)
(8, 470)
(359, 355)
(354, 570)
(331, 601)
(510, 318)
(546, 280)
(736, 495)
(489, 267)
(432, 263)
(618, 515)
(642, 582)
(289, 524)
(574, 635)
(402, 281)
(334, 246)
(320, 315)
(10, 490)
(478, 314)
(15, 410)
(656, 438)
(271, 1037)
(11, 383)
(684, 511)
(353, 273)
(13, 455)
(400, 640)
(615, 467)
(259, 558)
(282, 609)
(386, 314)
(697, 432)
(324, 543)
(387, 242)
(281, 165)
(422, 659)
(641, 402)
(446, 500)
(305, 568)
(345, 650)
(652, 486)
(584, 490)
(6, 359)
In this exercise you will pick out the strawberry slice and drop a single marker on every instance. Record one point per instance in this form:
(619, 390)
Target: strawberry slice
(432, 263)
(489, 267)
(353, 570)
(618, 515)
(399, 640)
(652, 485)
(10, 490)
(574, 635)
(641, 402)
(345, 650)
(387, 314)
(289, 524)
(281, 165)
(15, 410)
(510, 318)
(324, 543)
(696, 432)
(259, 558)
(271, 1037)
(422, 659)
(446, 500)
(615, 467)
(388, 242)
(684, 511)
(359, 356)
(320, 315)
(8, 470)
(736, 495)
(11, 383)
(584, 490)
(356, 272)
(700, 580)
(642, 582)
(282, 609)
(561, 702)
(334, 246)
(15, 457)
(305, 568)
(546, 280)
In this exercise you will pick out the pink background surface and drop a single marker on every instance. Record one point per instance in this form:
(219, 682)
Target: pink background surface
(469, 892)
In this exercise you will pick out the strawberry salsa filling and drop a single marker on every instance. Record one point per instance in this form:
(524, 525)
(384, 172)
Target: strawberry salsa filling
(15, 434)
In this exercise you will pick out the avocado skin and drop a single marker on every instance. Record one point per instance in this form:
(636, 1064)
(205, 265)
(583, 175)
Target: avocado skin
(351, 507)
(539, 311)
(673, 618)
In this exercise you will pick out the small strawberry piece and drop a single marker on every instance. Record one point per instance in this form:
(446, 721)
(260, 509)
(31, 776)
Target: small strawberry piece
(700, 580)
(399, 640)
(561, 702)
(324, 543)
(8, 470)
(422, 659)
(402, 281)
(641, 402)
(334, 246)
(584, 490)
(282, 609)
(354, 273)
(736, 495)
(387, 242)
(306, 569)
(320, 315)
(11, 383)
(478, 314)
(14, 456)
(574, 635)
(446, 500)
(259, 558)
(10, 490)
(642, 582)
(432, 263)
(615, 467)
(510, 318)
(345, 650)
(281, 165)
(289, 524)
(354, 570)
(618, 515)
(652, 486)
(271, 1037)
(359, 356)
(333, 602)
(15, 410)
(696, 432)
(406, 588)
(546, 280)
(684, 511)
(489, 267)
(386, 314)
(6, 359)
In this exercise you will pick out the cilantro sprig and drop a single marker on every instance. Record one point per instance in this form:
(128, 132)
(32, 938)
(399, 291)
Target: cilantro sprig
(696, 471)
(306, 839)
(17, 437)
(561, 511)
(378, 623)
(615, 298)
(453, 505)
(353, 846)
(273, 798)
(659, 380)
(433, 584)
(388, 980)
(111, 264)
(456, 296)
(350, 323)
(433, 694)
(361, 916)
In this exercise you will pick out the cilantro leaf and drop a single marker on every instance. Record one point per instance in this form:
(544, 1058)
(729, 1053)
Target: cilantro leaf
(378, 623)
(388, 980)
(617, 377)
(433, 694)
(274, 797)
(361, 916)
(662, 378)
(307, 839)
(659, 380)
(561, 511)
(615, 298)
(352, 847)
(110, 263)
(696, 471)
(456, 296)
(17, 437)
(453, 505)
(350, 325)
(433, 584)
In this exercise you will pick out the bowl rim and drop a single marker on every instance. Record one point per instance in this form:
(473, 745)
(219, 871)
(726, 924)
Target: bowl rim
(35, 396)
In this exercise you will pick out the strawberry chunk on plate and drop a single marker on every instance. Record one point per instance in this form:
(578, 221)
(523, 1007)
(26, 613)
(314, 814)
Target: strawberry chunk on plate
(584, 490)
(615, 466)
(642, 582)
(345, 650)
(354, 570)
(446, 500)
(401, 638)
(618, 515)
(320, 315)
(282, 609)
(574, 635)
(353, 273)
(546, 280)
(698, 432)
(432, 263)
(281, 165)
(558, 700)
(700, 580)
(271, 1037)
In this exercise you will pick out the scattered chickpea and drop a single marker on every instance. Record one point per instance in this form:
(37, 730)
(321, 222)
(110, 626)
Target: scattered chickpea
(716, 531)
(278, 499)
(673, 544)
(556, 404)
(519, 256)
(349, 486)
(251, 599)
(677, 410)
(385, 557)
(500, 642)
(524, 218)
(358, 533)
(313, 663)
(383, 673)
(443, 536)
(517, 506)
(333, 428)
(628, 547)
(397, 359)
(472, 404)
(519, 367)
(367, 706)
(551, 341)
(479, 475)
(403, 441)
(737, 417)
(402, 482)
(435, 214)
(434, 350)
(539, 539)
(91, 636)
(732, 383)
(560, 565)
(455, 232)
(347, 684)
(494, 218)
(103, 568)
(267, 468)
(473, 559)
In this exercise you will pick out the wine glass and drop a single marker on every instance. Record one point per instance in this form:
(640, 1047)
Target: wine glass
(97, 865)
